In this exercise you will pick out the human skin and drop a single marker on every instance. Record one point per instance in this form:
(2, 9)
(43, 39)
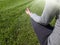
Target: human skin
(28, 12)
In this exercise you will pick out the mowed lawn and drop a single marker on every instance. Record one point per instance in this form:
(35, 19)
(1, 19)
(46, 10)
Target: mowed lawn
(15, 26)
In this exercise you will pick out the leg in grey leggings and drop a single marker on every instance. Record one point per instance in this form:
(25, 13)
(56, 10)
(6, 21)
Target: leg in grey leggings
(42, 32)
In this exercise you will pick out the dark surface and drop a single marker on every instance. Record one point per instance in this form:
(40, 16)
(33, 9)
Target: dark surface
(42, 31)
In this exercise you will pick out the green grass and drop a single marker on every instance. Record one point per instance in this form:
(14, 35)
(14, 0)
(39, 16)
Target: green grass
(15, 26)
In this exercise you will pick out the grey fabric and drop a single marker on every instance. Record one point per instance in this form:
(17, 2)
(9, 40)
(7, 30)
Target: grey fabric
(51, 9)
(49, 12)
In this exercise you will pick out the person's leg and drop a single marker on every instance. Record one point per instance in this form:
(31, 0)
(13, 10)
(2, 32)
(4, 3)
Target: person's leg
(42, 32)
(54, 38)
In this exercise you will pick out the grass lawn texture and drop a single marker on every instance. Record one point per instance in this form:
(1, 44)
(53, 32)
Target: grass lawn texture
(15, 26)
